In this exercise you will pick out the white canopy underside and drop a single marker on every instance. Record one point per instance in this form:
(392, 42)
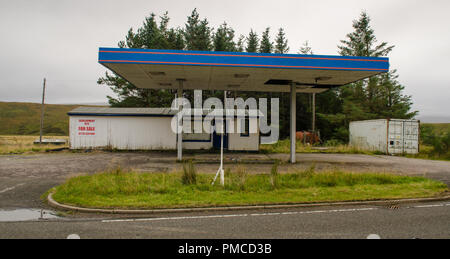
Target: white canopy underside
(233, 78)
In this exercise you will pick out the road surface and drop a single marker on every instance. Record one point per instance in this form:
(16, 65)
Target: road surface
(427, 220)
(24, 178)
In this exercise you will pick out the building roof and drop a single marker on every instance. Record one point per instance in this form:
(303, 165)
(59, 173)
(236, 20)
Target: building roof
(159, 112)
(105, 111)
(206, 70)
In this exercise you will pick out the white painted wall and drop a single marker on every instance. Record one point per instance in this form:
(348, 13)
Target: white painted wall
(237, 142)
(197, 141)
(126, 133)
(148, 133)
(98, 138)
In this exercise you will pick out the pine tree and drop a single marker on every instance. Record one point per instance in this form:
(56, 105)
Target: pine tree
(281, 43)
(240, 44)
(197, 33)
(150, 36)
(252, 42)
(266, 46)
(223, 39)
(374, 98)
(392, 103)
(361, 42)
(305, 49)
(281, 47)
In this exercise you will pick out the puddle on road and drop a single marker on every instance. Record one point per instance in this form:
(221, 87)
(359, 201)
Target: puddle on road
(26, 215)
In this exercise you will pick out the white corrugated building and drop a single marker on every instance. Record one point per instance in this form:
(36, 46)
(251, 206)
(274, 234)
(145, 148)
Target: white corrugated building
(390, 136)
(151, 129)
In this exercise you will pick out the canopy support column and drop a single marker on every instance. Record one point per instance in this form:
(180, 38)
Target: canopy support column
(314, 113)
(180, 122)
(293, 121)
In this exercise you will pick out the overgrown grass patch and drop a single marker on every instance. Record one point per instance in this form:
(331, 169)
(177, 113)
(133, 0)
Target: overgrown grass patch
(24, 144)
(284, 146)
(126, 189)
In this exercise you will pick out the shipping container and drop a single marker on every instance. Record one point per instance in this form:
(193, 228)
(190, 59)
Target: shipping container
(390, 136)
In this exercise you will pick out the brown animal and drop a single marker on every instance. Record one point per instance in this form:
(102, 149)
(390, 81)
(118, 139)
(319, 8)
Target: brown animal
(307, 137)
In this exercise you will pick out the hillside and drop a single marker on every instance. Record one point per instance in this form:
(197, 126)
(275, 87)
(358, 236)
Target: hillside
(438, 128)
(24, 119)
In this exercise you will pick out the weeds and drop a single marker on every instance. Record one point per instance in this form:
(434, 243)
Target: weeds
(283, 146)
(122, 188)
(24, 144)
(241, 173)
(308, 173)
(274, 175)
(189, 173)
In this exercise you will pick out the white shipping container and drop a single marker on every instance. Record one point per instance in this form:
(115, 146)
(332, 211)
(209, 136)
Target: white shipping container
(390, 136)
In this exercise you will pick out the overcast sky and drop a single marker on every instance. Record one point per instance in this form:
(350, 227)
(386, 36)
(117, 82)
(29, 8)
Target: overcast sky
(59, 39)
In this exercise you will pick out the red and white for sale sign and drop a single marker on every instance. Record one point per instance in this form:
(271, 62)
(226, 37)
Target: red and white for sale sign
(86, 127)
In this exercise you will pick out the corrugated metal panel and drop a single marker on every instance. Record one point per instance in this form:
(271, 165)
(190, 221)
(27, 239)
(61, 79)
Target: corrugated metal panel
(131, 133)
(88, 132)
(404, 136)
(369, 135)
(395, 138)
(131, 129)
(128, 133)
(389, 136)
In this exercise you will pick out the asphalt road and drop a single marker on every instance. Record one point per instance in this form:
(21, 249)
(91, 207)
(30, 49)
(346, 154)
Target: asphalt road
(24, 178)
(427, 220)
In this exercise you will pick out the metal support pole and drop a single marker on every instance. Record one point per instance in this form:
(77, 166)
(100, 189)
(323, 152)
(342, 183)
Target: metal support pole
(221, 172)
(314, 112)
(293, 121)
(180, 122)
(42, 113)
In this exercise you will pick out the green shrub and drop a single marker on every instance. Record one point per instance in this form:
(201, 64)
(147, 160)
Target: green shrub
(333, 143)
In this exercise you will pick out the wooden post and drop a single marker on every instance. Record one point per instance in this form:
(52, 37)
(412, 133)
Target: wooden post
(42, 113)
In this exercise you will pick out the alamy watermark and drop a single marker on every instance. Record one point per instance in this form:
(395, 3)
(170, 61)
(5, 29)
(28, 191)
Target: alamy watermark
(240, 116)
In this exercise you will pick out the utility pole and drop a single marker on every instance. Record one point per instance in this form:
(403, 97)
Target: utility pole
(42, 113)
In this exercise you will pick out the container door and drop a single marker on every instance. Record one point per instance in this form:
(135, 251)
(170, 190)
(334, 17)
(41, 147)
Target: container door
(411, 137)
(395, 137)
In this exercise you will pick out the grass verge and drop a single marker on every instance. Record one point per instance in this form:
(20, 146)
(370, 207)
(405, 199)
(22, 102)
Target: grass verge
(284, 146)
(122, 189)
(24, 144)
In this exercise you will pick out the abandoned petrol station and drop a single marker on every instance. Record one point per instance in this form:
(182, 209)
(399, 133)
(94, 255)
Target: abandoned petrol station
(203, 70)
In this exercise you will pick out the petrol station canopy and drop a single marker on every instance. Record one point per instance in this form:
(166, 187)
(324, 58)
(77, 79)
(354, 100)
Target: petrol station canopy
(236, 71)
